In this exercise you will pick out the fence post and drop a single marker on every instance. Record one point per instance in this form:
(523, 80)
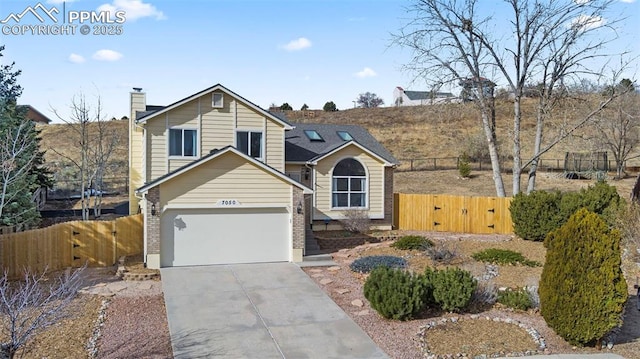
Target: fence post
(411, 164)
(435, 163)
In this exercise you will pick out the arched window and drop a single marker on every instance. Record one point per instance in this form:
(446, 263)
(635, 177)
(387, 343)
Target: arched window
(349, 185)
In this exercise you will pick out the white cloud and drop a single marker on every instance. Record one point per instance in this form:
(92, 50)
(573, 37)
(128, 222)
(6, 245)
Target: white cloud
(76, 59)
(628, 1)
(107, 55)
(366, 72)
(134, 9)
(586, 22)
(298, 44)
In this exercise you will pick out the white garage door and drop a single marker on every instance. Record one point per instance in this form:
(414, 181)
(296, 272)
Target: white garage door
(223, 236)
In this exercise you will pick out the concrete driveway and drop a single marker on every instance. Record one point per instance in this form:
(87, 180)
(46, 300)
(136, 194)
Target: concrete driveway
(271, 310)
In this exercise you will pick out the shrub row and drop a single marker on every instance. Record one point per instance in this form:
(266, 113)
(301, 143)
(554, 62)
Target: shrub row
(540, 212)
(398, 294)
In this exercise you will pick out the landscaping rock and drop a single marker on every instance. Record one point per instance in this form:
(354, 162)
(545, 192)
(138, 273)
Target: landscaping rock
(326, 281)
(333, 269)
(357, 303)
(342, 291)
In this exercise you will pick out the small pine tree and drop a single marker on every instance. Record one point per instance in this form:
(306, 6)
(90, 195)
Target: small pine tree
(394, 293)
(464, 168)
(582, 288)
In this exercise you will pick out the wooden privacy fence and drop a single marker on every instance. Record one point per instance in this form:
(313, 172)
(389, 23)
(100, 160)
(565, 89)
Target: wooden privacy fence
(71, 244)
(446, 213)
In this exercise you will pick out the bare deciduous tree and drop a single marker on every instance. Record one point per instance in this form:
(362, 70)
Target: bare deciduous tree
(548, 42)
(96, 143)
(33, 304)
(619, 127)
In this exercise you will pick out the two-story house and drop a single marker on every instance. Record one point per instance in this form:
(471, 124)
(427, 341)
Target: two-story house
(221, 180)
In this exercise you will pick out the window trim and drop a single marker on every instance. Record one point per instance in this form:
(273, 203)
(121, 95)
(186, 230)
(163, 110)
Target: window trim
(182, 130)
(366, 189)
(262, 142)
(213, 100)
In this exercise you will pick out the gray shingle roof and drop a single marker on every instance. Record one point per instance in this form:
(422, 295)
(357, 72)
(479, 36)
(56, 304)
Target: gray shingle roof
(299, 148)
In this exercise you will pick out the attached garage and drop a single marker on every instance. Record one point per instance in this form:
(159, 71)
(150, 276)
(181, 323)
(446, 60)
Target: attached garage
(224, 208)
(224, 236)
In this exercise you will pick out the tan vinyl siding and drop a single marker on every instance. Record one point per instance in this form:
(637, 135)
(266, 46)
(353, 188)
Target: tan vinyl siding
(375, 182)
(136, 144)
(275, 146)
(156, 148)
(226, 177)
(217, 124)
(216, 130)
(185, 115)
(248, 118)
(135, 165)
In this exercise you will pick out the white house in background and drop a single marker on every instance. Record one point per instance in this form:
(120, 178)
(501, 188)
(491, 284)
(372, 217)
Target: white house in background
(401, 97)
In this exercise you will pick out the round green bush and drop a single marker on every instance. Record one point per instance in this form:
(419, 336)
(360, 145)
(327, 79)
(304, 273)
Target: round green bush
(452, 288)
(536, 214)
(516, 299)
(503, 256)
(394, 293)
(412, 242)
(582, 288)
(369, 263)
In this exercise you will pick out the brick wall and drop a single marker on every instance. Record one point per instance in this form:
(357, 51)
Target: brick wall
(153, 222)
(388, 196)
(298, 218)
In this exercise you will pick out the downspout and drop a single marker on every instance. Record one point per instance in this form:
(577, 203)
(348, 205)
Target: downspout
(313, 187)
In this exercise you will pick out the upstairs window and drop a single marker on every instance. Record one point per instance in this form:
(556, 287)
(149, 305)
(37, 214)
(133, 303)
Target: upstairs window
(345, 136)
(313, 135)
(217, 100)
(249, 143)
(183, 142)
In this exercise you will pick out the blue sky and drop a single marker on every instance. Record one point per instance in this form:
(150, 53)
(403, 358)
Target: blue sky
(307, 51)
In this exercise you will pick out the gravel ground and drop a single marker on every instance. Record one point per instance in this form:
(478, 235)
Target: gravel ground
(401, 339)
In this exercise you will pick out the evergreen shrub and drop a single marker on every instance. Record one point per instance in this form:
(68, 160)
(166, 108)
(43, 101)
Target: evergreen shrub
(412, 242)
(582, 288)
(503, 256)
(369, 263)
(394, 293)
(452, 288)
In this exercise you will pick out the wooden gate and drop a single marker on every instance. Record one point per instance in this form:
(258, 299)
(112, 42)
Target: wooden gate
(447, 213)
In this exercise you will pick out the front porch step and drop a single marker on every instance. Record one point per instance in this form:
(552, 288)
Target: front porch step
(317, 260)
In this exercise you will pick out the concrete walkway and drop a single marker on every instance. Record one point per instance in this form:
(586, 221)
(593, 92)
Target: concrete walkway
(269, 310)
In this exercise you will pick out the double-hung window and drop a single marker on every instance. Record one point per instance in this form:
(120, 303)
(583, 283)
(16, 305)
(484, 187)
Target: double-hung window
(349, 185)
(183, 142)
(250, 143)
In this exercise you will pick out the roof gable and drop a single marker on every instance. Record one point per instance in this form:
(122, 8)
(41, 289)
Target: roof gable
(212, 156)
(299, 148)
(153, 111)
(314, 161)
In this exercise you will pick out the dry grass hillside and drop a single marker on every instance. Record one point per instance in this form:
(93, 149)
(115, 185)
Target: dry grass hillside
(448, 130)
(437, 131)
